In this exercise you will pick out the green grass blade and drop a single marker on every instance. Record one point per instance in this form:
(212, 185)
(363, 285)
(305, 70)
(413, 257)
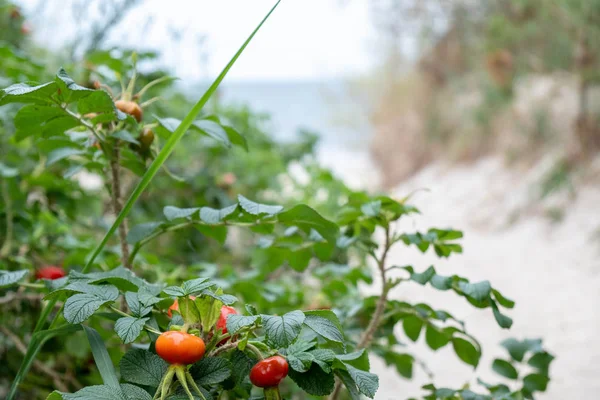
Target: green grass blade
(170, 145)
(101, 357)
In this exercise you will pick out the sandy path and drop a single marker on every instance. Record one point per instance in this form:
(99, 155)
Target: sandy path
(552, 271)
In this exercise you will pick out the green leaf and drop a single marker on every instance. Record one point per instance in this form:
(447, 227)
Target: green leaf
(168, 147)
(325, 323)
(219, 233)
(324, 358)
(97, 392)
(213, 130)
(101, 103)
(81, 306)
(60, 154)
(241, 366)
(436, 338)
(214, 216)
(172, 213)
(315, 381)
(35, 119)
(69, 90)
(541, 361)
(137, 307)
(349, 383)
(466, 351)
(256, 208)
(479, 292)
(402, 362)
(102, 359)
(188, 310)
(226, 299)
(125, 136)
(142, 368)
(299, 259)
(502, 320)
(9, 278)
(505, 368)
(517, 349)
(23, 93)
(129, 328)
(211, 370)
(504, 302)
(536, 382)
(283, 330)
(132, 392)
(142, 231)
(366, 382)
(371, 209)
(307, 219)
(237, 322)
(424, 277)
(210, 311)
(235, 137)
(412, 327)
(358, 359)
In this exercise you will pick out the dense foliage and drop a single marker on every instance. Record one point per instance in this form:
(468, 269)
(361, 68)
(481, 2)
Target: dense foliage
(224, 223)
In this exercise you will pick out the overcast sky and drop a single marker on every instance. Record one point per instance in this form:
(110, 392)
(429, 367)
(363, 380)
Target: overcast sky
(303, 39)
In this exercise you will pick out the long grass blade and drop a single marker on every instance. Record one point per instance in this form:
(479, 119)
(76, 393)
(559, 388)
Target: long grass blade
(170, 145)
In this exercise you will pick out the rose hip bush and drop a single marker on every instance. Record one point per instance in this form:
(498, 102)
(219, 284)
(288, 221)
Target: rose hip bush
(213, 282)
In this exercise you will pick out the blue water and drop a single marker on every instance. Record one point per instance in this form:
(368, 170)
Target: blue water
(322, 107)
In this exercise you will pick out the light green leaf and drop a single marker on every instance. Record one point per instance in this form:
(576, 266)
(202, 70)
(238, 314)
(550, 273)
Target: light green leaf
(258, 209)
(129, 328)
(237, 322)
(214, 216)
(505, 369)
(60, 154)
(9, 278)
(172, 213)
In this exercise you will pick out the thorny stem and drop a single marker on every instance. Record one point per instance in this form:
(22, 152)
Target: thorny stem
(367, 336)
(117, 204)
(5, 250)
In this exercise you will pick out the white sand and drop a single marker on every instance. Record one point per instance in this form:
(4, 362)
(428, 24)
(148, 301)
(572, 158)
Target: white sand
(551, 270)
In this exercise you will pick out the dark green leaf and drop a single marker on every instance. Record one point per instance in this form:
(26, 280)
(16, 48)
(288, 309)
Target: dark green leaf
(436, 338)
(142, 368)
(142, 231)
(517, 349)
(81, 306)
(237, 322)
(536, 382)
(211, 370)
(132, 392)
(307, 219)
(366, 382)
(315, 381)
(466, 351)
(98, 392)
(505, 369)
(102, 359)
(283, 330)
(23, 93)
(412, 327)
(479, 292)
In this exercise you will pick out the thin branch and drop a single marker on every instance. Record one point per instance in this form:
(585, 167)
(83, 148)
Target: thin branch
(117, 203)
(375, 321)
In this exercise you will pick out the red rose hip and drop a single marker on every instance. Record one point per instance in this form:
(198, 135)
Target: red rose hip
(269, 372)
(50, 272)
